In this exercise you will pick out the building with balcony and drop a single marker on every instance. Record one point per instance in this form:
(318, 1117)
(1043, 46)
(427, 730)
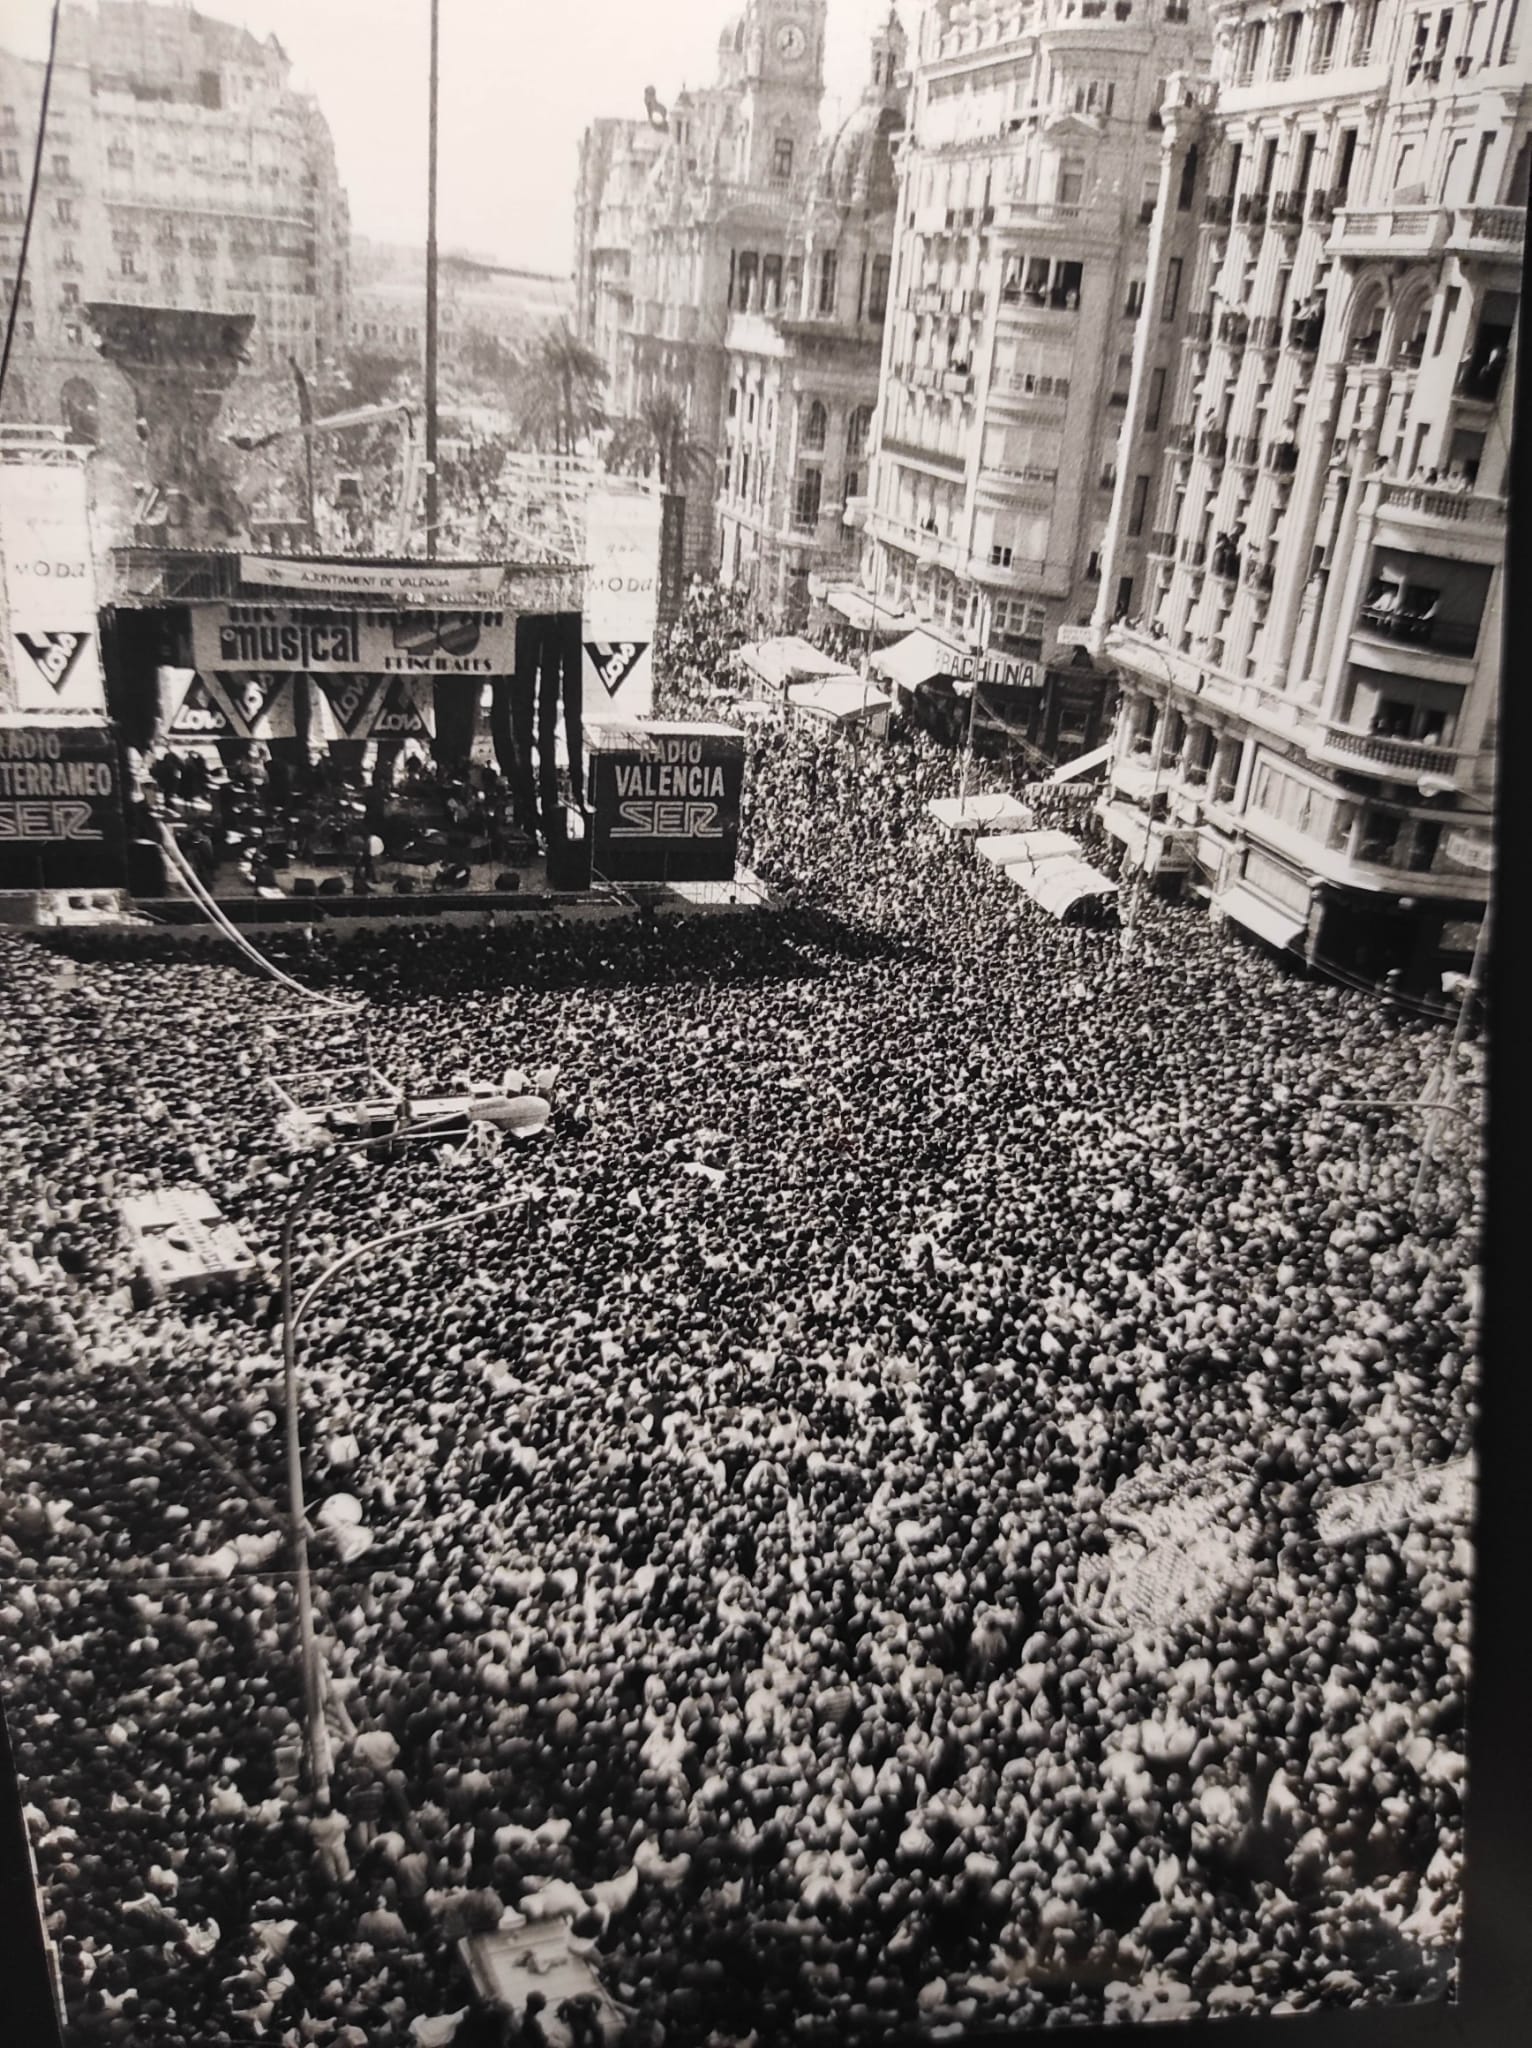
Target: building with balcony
(683, 217)
(180, 171)
(1310, 667)
(1030, 188)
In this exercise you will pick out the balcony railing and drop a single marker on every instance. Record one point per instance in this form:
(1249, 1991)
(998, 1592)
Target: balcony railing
(1303, 334)
(1417, 629)
(1199, 328)
(1416, 757)
(1322, 205)
(1265, 331)
(1218, 209)
(1365, 348)
(1287, 210)
(1461, 508)
(1252, 210)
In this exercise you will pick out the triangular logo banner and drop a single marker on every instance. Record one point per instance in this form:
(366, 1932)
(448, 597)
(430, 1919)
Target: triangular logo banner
(53, 655)
(199, 717)
(353, 700)
(401, 715)
(614, 661)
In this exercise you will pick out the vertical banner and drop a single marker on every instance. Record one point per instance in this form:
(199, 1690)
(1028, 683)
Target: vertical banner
(622, 586)
(50, 657)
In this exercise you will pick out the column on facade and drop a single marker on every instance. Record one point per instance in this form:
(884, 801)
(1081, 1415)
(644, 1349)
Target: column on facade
(1345, 567)
(1285, 619)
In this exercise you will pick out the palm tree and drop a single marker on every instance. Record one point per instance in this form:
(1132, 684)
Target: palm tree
(561, 398)
(657, 438)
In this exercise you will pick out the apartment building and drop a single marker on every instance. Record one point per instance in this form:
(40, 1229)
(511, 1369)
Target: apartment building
(1029, 185)
(1310, 660)
(180, 170)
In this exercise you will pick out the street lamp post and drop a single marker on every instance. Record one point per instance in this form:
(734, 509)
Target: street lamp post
(293, 1313)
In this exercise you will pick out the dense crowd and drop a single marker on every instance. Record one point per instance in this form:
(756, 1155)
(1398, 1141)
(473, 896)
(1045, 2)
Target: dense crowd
(738, 1520)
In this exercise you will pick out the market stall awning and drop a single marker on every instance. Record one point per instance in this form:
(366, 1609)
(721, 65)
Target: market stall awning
(841, 698)
(987, 809)
(1057, 886)
(1027, 847)
(1125, 823)
(918, 658)
(1135, 779)
(1087, 765)
(1268, 921)
(866, 614)
(788, 659)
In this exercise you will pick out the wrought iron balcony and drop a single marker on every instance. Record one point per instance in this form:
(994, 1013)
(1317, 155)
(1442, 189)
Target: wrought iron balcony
(1214, 443)
(1252, 210)
(1420, 629)
(1218, 209)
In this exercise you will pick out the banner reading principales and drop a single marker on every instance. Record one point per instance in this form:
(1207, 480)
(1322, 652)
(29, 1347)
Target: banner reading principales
(60, 808)
(276, 640)
(51, 652)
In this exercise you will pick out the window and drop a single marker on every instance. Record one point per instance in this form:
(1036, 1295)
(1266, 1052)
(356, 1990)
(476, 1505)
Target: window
(1124, 602)
(877, 301)
(858, 427)
(1172, 295)
(782, 159)
(816, 423)
(806, 498)
(71, 295)
(828, 269)
(60, 166)
(1000, 557)
(733, 401)
(1268, 167)
(771, 284)
(1188, 181)
(12, 206)
(64, 213)
(1449, 310)
(10, 163)
(1486, 144)
(1070, 189)
(1286, 48)
(1326, 39)
(1134, 304)
(1307, 144)
(1155, 401)
(1365, 30)
(1138, 506)
(1343, 164)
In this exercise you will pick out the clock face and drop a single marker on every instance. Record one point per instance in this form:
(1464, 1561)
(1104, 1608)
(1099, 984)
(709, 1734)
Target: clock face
(791, 42)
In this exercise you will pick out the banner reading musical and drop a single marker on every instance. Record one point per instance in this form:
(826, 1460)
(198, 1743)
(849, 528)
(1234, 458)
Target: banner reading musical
(285, 641)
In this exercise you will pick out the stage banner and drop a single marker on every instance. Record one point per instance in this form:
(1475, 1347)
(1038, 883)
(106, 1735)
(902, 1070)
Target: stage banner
(621, 613)
(665, 801)
(60, 807)
(318, 643)
(51, 662)
(378, 707)
(476, 584)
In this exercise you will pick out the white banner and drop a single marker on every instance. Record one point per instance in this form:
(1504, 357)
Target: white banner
(319, 643)
(52, 655)
(622, 585)
(477, 584)
(1470, 850)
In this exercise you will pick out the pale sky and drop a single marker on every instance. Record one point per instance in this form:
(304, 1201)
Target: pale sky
(520, 80)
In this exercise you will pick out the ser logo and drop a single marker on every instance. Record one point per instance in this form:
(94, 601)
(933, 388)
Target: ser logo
(53, 655)
(614, 661)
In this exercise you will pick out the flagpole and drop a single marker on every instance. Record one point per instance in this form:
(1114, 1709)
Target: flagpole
(431, 485)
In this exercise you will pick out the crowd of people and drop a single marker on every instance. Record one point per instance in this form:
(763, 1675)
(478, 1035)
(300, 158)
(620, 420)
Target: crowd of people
(733, 1524)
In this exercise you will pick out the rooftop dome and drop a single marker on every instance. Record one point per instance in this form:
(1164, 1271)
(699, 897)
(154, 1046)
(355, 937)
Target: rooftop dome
(860, 171)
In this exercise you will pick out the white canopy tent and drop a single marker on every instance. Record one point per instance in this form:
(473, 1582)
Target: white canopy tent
(989, 809)
(787, 659)
(842, 700)
(1050, 868)
(865, 614)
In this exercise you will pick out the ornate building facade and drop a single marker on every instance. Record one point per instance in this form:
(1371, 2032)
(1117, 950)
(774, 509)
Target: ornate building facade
(728, 254)
(1311, 658)
(180, 171)
(1028, 186)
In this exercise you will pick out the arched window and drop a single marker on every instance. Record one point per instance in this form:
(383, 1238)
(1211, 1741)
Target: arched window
(816, 425)
(77, 402)
(782, 160)
(858, 427)
(1366, 327)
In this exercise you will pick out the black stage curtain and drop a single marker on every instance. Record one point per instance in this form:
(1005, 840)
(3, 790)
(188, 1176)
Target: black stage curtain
(569, 626)
(548, 693)
(456, 705)
(133, 649)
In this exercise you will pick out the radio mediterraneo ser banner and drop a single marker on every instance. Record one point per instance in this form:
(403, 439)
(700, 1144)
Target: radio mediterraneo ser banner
(278, 640)
(51, 665)
(665, 801)
(60, 807)
(622, 597)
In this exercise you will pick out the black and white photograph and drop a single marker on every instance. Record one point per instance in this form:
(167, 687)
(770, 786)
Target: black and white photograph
(749, 756)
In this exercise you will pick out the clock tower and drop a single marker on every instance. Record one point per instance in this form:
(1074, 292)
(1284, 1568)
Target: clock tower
(783, 80)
